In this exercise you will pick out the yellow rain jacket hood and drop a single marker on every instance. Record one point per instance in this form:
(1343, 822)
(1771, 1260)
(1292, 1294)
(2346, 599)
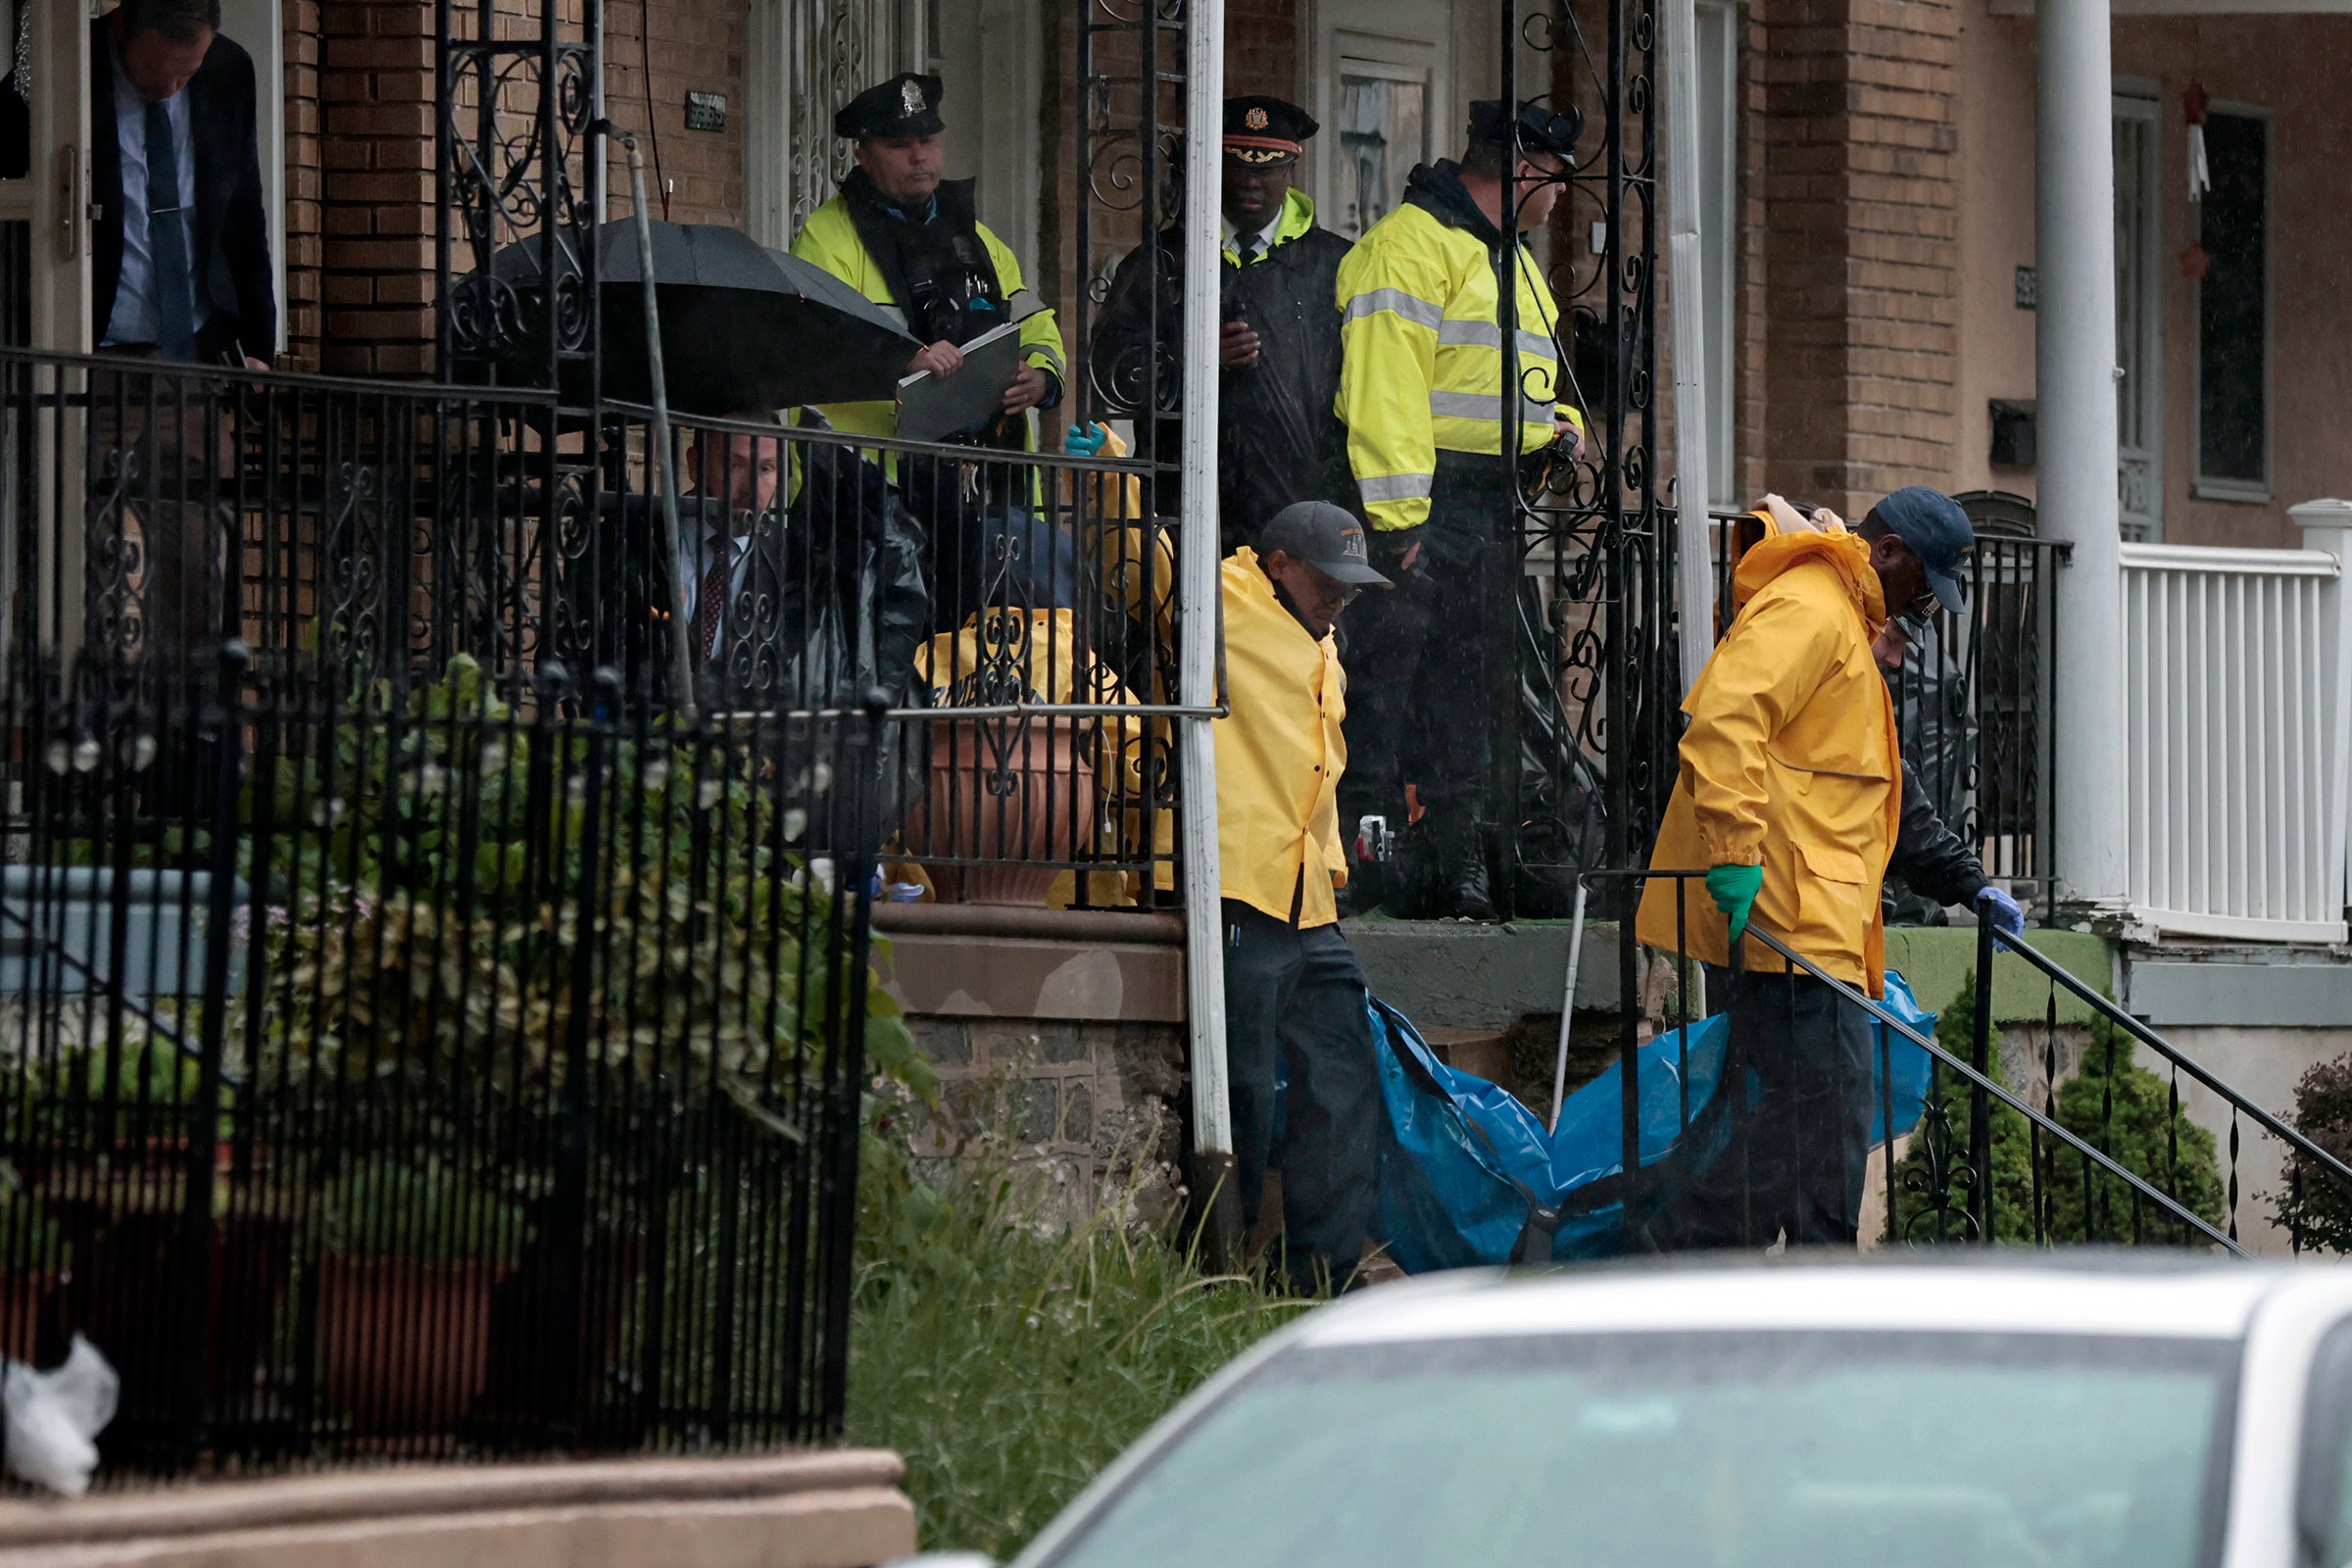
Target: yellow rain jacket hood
(1791, 762)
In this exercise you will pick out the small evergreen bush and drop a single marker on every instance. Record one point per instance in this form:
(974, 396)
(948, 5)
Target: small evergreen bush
(2112, 1104)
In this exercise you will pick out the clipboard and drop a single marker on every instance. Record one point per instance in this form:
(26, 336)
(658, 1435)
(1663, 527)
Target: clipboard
(931, 408)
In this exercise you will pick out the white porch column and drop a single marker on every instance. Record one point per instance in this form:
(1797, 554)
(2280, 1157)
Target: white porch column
(2074, 378)
(1197, 672)
(2328, 525)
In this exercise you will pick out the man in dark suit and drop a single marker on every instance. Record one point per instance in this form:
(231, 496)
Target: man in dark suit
(180, 252)
(180, 274)
(1278, 440)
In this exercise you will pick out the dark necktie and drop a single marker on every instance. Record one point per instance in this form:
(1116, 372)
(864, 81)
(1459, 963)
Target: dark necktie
(710, 604)
(1250, 249)
(167, 242)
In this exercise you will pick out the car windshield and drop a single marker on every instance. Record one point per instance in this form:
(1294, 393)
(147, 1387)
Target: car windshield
(1692, 1450)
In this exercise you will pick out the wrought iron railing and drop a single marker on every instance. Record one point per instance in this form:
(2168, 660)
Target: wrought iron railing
(380, 530)
(467, 1066)
(2303, 1180)
(1777, 1148)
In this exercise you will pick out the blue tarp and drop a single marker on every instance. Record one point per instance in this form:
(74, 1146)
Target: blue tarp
(1466, 1164)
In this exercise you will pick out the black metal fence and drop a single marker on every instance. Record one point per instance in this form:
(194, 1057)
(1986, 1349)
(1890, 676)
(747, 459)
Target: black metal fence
(1973, 702)
(153, 511)
(473, 1065)
(1788, 1126)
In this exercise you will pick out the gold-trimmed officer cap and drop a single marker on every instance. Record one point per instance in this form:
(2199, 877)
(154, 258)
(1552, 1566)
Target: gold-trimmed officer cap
(1264, 131)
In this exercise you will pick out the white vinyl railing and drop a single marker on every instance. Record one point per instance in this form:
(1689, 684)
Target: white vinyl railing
(2234, 692)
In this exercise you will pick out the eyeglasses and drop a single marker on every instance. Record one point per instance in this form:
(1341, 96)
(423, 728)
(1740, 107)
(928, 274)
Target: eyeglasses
(1347, 591)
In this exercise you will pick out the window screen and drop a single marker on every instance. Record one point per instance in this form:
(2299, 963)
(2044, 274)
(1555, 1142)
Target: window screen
(2233, 329)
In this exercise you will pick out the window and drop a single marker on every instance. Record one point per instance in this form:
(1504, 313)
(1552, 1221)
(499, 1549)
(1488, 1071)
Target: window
(1383, 131)
(1378, 82)
(2138, 307)
(2233, 437)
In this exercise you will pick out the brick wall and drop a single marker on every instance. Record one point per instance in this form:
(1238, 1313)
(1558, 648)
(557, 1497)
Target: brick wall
(697, 45)
(301, 306)
(366, 168)
(1852, 301)
(376, 201)
(1262, 48)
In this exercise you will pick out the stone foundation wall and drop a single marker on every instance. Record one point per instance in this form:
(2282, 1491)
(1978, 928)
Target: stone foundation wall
(1093, 1104)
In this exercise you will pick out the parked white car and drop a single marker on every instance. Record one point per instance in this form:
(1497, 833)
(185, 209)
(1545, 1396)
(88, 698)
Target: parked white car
(2034, 1411)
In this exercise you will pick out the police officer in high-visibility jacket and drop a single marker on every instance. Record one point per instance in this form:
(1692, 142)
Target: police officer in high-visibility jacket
(905, 237)
(1427, 424)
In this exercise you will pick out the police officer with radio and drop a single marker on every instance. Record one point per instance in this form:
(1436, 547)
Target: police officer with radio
(1436, 443)
(905, 237)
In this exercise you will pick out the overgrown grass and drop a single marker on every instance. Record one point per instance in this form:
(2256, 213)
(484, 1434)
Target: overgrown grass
(1009, 1356)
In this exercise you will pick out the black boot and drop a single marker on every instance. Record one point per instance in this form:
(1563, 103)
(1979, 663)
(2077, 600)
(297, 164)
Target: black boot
(1458, 885)
(1463, 891)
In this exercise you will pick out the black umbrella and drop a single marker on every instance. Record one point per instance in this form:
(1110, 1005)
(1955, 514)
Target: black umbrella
(743, 328)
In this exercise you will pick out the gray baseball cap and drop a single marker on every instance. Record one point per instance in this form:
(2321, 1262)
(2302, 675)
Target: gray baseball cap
(1327, 538)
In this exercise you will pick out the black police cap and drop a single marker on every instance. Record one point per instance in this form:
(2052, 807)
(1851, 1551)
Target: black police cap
(1541, 129)
(907, 105)
(1264, 130)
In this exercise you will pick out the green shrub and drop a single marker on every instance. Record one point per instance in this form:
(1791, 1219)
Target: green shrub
(2111, 1103)
(2315, 1205)
(422, 1208)
(1008, 1357)
(1932, 1198)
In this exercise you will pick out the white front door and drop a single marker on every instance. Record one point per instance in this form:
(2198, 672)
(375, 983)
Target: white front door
(44, 224)
(1381, 89)
(2139, 316)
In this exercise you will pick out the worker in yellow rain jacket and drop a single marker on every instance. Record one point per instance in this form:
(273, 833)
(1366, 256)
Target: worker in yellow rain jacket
(1293, 991)
(905, 237)
(1790, 797)
(1428, 430)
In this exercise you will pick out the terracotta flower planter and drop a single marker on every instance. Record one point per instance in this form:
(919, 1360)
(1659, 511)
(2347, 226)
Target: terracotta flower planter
(404, 1345)
(23, 1298)
(1009, 793)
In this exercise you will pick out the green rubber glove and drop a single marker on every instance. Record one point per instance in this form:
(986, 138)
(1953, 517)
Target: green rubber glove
(1735, 888)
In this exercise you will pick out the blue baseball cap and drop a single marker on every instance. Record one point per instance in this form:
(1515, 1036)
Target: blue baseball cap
(1938, 532)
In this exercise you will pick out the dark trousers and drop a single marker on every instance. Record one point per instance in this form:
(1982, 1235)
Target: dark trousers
(1794, 1162)
(1298, 998)
(156, 541)
(1424, 660)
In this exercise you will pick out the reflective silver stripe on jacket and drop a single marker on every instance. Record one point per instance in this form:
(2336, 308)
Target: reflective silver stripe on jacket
(1053, 355)
(1024, 304)
(1485, 406)
(1460, 330)
(1395, 487)
(1412, 306)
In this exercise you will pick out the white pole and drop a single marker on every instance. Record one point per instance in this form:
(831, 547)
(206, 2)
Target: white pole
(1576, 958)
(2074, 378)
(1196, 576)
(1694, 574)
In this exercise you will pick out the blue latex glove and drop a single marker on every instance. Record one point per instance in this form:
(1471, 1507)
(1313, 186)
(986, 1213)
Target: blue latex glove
(2001, 908)
(1734, 889)
(1086, 440)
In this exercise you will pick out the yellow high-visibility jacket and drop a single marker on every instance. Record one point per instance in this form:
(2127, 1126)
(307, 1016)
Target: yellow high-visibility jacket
(1280, 753)
(830, 239)
(1422, 355)
(1791, 762)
